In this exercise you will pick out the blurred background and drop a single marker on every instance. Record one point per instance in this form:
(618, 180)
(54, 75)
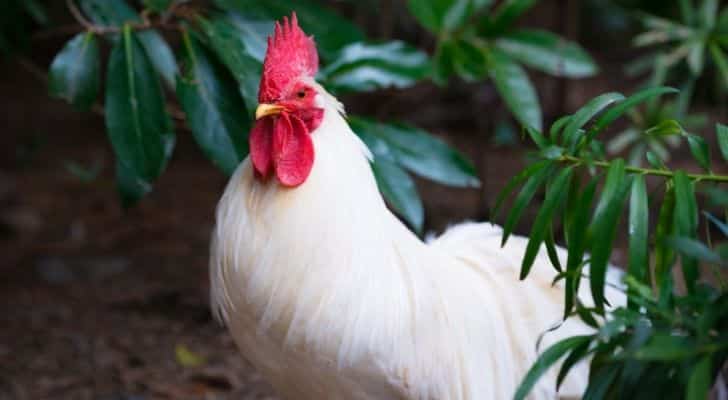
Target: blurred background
(103, 301)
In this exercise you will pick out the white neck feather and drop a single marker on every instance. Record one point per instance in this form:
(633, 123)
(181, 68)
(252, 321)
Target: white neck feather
(284, 253)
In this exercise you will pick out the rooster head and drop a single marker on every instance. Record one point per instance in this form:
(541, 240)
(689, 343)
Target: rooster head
(287, 113)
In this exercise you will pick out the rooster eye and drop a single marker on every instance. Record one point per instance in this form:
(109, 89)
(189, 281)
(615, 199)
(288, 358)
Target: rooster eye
(301, 94)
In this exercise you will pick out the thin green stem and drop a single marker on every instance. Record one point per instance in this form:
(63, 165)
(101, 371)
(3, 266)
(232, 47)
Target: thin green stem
(646, 171)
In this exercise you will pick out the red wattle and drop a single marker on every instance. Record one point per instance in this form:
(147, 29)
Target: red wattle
(261, 146)
(292, 150)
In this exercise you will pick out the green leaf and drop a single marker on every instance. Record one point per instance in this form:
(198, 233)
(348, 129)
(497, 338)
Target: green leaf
(600, 384)
(443, 66)
(623, 140)
(686, 222)
(547, 52)
(720, 225)
(667, 127)
(444, 15)
(74, 73)
(558, 126)
(507, 13)
(721, 132)
(696, 58)
(626, 105)
(515, 181)
(665, 228)
(550, 152)
(615, 177)
(36, 11)
(687, 11)
(546, 360)
(694, 249)
(673, 30)
(699, 150)
(586, 315)
(331, 31)
(399, 191)
(253, 33)
(417, 151)
(576, 355)
(717, 196)
(551, 249)
(230, 46)
(665, 347)
(585, 113)
(523, 199)
(213, 108)
(131, 187)
(577, 234)
(116, 13)
(542, 223)
(469, 60)
(604, 227)
(366, 66)
(157, 5)
(708, 11)
(721, 61)
(638, 230)
(137, 123)
(700, 380)
(537, 138)
(516, 89)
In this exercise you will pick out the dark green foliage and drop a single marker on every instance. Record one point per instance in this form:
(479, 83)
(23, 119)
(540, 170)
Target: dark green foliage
(16, 19)
(698, 40)
(661, 330)
(331, 31)
(139, 128)
(74, 73)
(475, 42)
(213, 107)
(416, 151)
(516, 89)
(400, 191)
(157, 5)
(115, 13)
(222, 48)
(368, 66)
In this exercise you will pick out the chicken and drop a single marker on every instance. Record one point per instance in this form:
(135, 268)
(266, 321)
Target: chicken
(330, 296)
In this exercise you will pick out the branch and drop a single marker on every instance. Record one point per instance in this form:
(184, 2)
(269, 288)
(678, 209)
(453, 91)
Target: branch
(105, 30)
(645, 171)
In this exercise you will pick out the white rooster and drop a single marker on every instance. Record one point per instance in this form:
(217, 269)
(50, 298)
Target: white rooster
(330, 296)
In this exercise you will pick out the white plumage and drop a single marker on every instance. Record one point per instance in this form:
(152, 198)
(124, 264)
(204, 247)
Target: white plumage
(329, 296)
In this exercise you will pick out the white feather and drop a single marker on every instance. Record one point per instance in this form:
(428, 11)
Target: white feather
(331, 297)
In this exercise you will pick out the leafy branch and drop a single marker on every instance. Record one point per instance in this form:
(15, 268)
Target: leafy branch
(211, 82)
(146, 22)
(659, 328)
(478, 41)
(576, 161)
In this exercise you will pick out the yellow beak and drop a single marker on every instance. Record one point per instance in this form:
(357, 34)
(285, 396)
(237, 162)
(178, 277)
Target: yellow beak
(267, 109)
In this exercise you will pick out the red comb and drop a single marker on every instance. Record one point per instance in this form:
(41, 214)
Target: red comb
(291, 54)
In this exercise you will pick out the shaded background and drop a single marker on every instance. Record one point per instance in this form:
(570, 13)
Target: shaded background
(99, 302)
